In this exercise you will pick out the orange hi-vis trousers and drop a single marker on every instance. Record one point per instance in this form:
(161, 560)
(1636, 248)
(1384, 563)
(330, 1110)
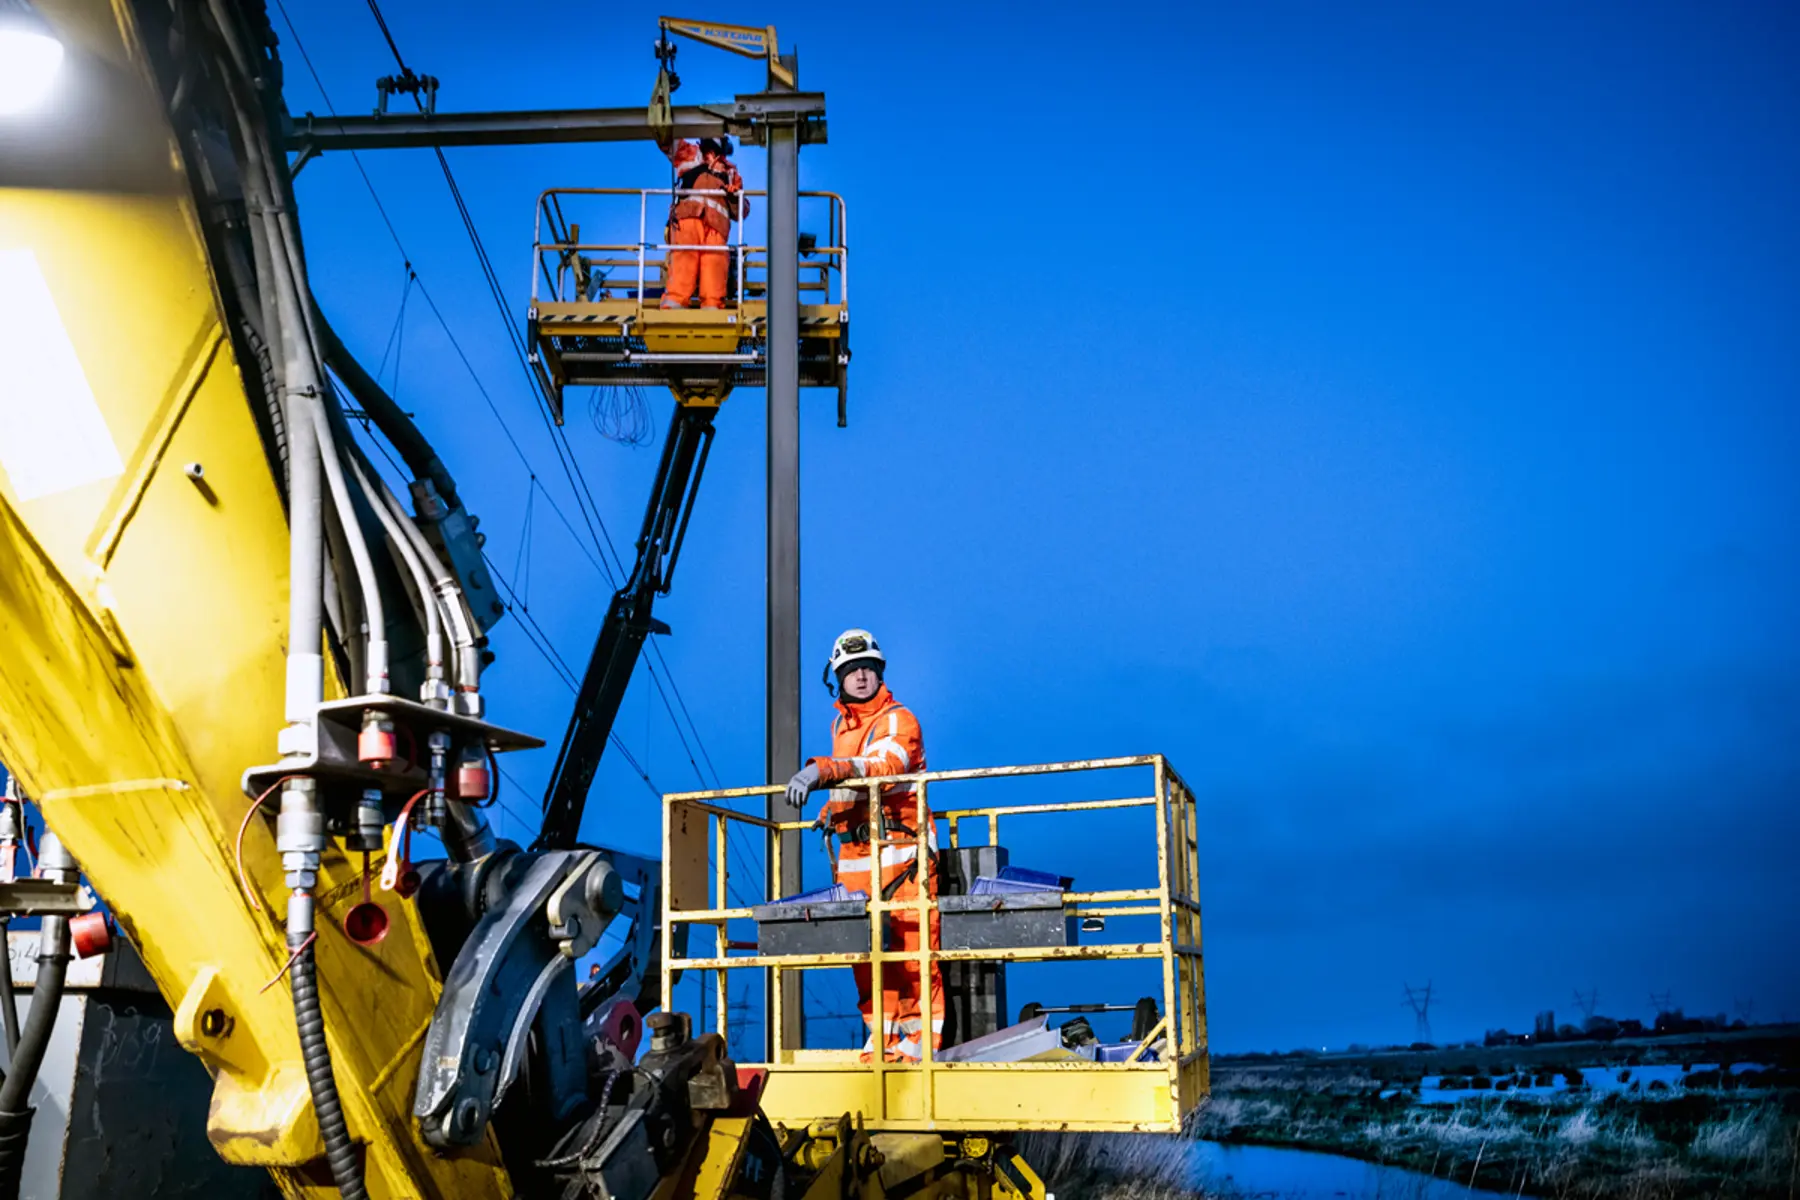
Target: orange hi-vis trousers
(712, 268)
(901, 1019)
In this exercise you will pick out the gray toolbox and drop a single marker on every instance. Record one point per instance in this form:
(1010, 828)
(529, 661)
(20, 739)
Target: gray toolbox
(832, 920)
(1013, 908)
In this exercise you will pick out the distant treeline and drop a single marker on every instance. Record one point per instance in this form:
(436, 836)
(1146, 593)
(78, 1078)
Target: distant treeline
(1605, 1029)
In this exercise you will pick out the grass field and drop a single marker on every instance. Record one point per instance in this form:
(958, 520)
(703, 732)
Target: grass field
(1707, 1134)
(1725, 1142)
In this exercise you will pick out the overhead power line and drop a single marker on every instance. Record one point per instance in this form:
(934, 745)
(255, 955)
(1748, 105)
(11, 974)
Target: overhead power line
(565, 454)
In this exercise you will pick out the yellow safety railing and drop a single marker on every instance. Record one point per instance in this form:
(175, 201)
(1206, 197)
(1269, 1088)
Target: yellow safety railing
(1139, 1094)
(570, 269)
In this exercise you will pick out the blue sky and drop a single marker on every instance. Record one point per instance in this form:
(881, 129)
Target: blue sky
(1387, 412)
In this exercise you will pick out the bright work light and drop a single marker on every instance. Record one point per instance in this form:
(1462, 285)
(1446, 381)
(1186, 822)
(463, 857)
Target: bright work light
(30, 56)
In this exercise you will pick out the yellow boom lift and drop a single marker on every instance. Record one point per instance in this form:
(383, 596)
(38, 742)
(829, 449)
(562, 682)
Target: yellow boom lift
(240, 671)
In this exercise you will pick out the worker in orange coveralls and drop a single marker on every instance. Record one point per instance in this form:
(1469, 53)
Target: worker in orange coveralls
(701, 220)
(874, 735)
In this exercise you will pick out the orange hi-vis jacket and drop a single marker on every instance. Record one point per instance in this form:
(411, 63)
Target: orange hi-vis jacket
(878, 737)
(693, 172)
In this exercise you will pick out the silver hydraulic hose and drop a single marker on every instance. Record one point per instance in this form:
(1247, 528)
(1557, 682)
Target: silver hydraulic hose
(300, 392)
(306, 520)
(378, 495)
(300, 826)
(449, 593)
(284, 235)
(375, 620)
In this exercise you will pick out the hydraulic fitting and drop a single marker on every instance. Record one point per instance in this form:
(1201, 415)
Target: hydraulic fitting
(439, 744)
(300, 833)
(54, 862)
(11, 833)
(435, 691)
(368, 823)
(376, 745)
(472, 780)
(467, 835)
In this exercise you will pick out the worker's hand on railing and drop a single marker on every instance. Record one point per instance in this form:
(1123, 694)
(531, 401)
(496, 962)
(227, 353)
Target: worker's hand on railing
(803, 784)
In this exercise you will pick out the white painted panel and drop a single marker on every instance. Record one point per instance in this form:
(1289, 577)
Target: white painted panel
(52, 436)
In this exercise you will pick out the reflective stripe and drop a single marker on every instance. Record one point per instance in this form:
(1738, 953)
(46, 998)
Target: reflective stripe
(889, 746)
(891, 856)
(860, 766)
(908, 1047)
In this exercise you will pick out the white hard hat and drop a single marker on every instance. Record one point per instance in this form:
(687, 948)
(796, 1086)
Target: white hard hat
(853, 645)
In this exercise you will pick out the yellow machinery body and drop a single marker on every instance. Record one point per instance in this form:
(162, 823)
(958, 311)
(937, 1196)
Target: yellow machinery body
(143, 602)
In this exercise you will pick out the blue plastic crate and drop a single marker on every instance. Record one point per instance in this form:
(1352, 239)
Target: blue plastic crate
(989, 885)
(825, 895)
(1048, 879)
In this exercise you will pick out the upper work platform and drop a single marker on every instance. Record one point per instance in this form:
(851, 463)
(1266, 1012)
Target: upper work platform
(597, 317)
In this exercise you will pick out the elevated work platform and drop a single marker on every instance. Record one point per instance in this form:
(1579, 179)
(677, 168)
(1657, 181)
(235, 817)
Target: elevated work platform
(597, 317)
(1051, 1082)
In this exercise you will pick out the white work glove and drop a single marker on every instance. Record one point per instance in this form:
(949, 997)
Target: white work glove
(802, 785)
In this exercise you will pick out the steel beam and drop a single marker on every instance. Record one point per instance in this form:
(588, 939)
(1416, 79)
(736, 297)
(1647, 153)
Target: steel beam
(783, 389)
(399, 131)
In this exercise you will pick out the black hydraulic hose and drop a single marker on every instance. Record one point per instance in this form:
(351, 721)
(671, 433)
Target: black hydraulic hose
(340, 1151)
(395, 425)
(28, 1056)
(9, 1003)
(46, 997)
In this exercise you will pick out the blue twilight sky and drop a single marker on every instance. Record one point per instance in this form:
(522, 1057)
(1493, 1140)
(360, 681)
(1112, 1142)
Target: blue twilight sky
(1387, 411)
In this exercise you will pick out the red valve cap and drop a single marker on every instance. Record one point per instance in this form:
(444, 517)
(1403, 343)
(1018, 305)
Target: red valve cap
(91, 934)
(472, 780)
(366, 924)
(376, 746)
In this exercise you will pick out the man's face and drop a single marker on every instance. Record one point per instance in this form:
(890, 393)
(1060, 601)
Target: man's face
(861, 683)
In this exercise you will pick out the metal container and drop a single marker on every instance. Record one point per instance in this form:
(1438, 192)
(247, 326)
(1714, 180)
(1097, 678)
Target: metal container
(1005, 920)
(812, 927)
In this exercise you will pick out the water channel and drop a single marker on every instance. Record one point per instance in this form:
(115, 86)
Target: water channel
(1277, 1173)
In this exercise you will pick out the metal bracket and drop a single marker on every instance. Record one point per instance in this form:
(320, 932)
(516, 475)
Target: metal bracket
(334, 758)
(512, 978)
(492, 996)
(31, 897)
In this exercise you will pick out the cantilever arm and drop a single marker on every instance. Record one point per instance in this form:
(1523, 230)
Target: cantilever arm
(747, 40)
